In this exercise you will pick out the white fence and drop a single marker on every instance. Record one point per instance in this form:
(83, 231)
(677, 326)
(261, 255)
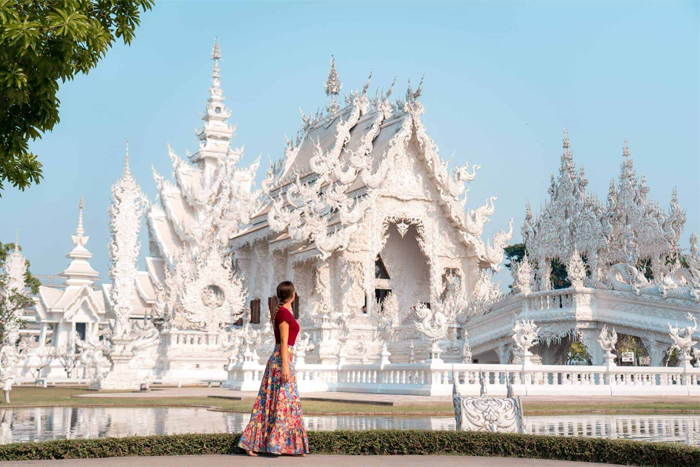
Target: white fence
(435, 378)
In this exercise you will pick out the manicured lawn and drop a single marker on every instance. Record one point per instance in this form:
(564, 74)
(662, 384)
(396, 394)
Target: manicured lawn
(46, 397)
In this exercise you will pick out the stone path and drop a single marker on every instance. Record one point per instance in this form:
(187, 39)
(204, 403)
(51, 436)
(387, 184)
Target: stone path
(308, 461)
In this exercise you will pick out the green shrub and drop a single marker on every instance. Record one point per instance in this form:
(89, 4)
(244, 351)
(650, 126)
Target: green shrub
(376, 442)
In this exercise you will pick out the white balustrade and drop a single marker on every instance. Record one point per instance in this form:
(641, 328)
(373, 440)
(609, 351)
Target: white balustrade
(434, 378)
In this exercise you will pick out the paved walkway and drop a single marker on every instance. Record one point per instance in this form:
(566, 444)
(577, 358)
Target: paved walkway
(308, 461)
(380, 399)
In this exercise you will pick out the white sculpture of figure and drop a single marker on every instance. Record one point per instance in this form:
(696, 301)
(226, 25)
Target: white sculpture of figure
(608, 340)
(576, 270)
(433, 324)
(525, 336)
(342, 322)
(9, 357)
(95, 353)
(466, 348)
(683, 340)
(388, 319)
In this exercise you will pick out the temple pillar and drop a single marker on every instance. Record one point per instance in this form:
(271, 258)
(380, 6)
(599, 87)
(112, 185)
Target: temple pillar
(589, 338)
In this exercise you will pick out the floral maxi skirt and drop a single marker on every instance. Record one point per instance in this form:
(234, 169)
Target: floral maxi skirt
(276, 425)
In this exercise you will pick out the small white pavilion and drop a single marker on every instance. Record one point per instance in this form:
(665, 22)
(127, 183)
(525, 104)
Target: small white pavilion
(78, 310)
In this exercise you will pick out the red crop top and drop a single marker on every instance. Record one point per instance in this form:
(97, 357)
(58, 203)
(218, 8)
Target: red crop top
(284, 315)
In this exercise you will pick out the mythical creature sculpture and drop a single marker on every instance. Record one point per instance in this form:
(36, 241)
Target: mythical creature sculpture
(525, 336)
(434, 324)
(607, 339)
(683, 337)
(388, 319)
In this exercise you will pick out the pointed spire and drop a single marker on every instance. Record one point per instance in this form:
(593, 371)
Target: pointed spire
(81, 205)
(332, 85)
(215, 137)
(625, 149)
(216, 56)
(127, 170)
(565, 145)
(79, 271)
(17, 241)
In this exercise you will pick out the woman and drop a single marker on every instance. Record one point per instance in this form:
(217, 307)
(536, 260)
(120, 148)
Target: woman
(276, 425)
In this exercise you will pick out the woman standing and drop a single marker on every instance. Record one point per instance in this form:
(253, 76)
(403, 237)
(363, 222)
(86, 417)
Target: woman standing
(276, 425)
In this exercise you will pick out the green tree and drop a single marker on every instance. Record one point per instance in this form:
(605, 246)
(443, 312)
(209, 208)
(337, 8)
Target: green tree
(42, 42)
(558, 277)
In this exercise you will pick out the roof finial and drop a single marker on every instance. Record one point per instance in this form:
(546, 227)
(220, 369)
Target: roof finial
(17, 241)
(625, 149)
(216, 56)
(418, 92)
(80, 231)
(126, 159)
(566, 139)
(332, 85)
(216, 51)
(364, 90)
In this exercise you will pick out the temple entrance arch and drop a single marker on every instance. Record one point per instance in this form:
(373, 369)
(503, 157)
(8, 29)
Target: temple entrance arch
(401, 264)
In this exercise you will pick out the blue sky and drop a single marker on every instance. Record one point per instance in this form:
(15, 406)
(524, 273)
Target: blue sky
(501, 82)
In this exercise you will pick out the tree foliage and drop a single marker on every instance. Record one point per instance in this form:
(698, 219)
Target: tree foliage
(42, 42)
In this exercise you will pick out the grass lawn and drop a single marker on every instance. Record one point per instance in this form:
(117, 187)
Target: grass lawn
(47, 397)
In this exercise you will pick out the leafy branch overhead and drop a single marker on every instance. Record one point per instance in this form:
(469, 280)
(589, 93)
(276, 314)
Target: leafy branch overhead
(42, 42)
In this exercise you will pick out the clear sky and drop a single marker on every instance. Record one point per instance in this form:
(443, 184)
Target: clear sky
(501, 82)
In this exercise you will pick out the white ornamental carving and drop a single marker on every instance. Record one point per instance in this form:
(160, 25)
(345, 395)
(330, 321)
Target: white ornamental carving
(576, 270)
(207, 293)
(525, 336)
(128, 205)
(607, 339)
(683, 337)
(486, 413)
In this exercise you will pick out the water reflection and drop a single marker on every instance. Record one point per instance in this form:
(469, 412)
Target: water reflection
(46, 423)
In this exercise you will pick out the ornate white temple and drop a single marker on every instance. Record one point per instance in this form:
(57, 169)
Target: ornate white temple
(393, 275)
(619, 240)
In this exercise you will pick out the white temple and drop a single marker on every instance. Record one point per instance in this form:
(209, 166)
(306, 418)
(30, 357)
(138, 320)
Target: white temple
(619, 240)
(393, 275)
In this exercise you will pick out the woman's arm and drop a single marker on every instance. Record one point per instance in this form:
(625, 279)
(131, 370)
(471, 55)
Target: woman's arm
(284, 337)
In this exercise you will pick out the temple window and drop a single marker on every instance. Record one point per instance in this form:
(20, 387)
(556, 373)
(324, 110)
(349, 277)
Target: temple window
(255, 311)
(81, 330)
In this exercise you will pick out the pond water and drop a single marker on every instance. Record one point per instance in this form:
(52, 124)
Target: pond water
(46, 423)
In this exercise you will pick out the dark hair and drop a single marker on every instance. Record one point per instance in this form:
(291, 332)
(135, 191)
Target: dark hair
(285, 291)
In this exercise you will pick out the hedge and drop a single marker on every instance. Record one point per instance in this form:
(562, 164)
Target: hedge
(375, 442)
